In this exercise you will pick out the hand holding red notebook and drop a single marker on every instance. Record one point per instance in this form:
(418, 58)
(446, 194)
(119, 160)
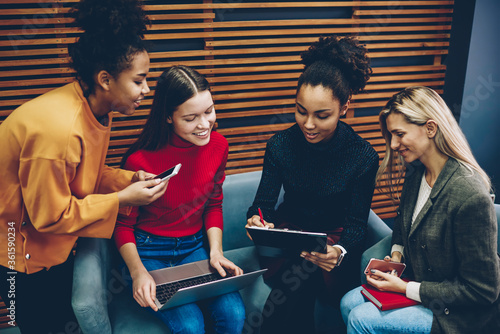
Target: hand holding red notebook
(386, 300)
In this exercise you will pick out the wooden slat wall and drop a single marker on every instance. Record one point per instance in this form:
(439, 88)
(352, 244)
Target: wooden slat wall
(249, 51)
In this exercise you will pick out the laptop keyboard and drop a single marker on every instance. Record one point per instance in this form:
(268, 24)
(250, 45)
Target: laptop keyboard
(165, 291)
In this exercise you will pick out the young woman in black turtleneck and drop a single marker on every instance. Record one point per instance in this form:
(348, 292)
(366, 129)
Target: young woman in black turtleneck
(327, 172)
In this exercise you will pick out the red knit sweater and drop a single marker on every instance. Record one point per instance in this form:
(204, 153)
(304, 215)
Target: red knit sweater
(193, 198)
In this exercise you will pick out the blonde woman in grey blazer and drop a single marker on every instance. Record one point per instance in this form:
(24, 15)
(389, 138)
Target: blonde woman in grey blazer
(445, 231)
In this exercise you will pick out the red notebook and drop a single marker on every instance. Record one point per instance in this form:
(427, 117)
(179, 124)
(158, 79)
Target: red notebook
(386, 300)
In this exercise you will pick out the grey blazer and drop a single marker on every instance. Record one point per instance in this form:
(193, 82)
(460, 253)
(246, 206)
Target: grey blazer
(451, 248)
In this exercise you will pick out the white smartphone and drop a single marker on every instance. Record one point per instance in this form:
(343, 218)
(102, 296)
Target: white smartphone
(169, 173)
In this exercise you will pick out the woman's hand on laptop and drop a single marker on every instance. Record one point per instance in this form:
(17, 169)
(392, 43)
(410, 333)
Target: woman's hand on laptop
(221, 264)
(144, 289)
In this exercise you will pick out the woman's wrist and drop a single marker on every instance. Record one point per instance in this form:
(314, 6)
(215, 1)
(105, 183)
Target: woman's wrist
(122, 199)
(403, 287)
(396, 256)
(138, 271)
(215, 253)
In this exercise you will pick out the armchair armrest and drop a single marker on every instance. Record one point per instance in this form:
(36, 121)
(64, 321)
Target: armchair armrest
(377, 229)
(497, 209)
(89, 297)
(378, 241)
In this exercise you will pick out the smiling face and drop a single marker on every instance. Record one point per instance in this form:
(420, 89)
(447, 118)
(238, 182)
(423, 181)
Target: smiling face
(410, 140)
(127, 90)
(318, 113)
(194, 119)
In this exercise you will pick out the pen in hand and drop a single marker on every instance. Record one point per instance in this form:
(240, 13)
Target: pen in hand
(261, 217)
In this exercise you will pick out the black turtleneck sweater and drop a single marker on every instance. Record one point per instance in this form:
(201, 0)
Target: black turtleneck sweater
(327, 185)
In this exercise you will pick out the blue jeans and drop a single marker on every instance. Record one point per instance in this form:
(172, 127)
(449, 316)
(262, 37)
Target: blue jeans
(226, 312)
(361, 316)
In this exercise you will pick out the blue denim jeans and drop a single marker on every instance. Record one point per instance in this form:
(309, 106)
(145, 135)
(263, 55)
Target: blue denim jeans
(226, 312)
(361, 316)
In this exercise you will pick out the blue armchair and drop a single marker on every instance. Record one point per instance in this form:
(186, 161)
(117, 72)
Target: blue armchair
(103, 301)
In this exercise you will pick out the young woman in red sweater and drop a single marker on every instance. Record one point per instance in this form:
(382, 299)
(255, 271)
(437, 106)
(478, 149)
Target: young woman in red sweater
(168, 232)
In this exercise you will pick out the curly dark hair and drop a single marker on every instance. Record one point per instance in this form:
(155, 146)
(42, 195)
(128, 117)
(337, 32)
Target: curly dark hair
(113, 32)
(340, 64)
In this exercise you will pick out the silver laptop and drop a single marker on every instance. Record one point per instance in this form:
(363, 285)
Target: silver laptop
(195, 281)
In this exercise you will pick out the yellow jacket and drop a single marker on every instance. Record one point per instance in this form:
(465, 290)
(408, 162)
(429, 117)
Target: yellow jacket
(54, 186)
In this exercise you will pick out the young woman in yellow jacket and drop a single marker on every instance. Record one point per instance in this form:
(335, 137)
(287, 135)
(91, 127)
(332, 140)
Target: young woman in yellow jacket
(54, 184)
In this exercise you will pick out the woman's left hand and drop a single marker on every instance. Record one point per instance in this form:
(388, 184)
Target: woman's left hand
(221, 264)
(141, 175)
(386, 281)
(326, 261)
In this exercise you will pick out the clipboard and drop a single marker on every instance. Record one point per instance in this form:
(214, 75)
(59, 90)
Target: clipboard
(290, 241)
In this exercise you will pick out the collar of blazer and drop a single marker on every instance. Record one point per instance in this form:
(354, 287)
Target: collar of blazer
(412, 184)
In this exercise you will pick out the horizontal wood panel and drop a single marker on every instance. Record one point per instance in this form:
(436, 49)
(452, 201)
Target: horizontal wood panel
(45, 20)
(34, 52)
(289, 49)
(35, 11)
(391, 12)
(38, 2)
(309, 40)
(293, 23)
(303, 4)
(294, 32)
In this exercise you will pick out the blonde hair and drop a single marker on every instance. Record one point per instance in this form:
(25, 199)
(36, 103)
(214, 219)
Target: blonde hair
(418, 105)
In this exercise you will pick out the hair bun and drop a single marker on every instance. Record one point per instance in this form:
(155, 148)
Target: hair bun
(346, 54)
(111, 18)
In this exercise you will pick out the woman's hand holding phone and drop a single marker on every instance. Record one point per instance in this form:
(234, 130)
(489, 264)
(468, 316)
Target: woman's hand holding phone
(385, 274)
(141, 175)
(387, 266)
(142, 192)
(386, 282)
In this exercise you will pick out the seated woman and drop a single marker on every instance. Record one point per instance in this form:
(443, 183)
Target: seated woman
(168, 232)
(445, 231)
(328, 174)
(54, 184)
